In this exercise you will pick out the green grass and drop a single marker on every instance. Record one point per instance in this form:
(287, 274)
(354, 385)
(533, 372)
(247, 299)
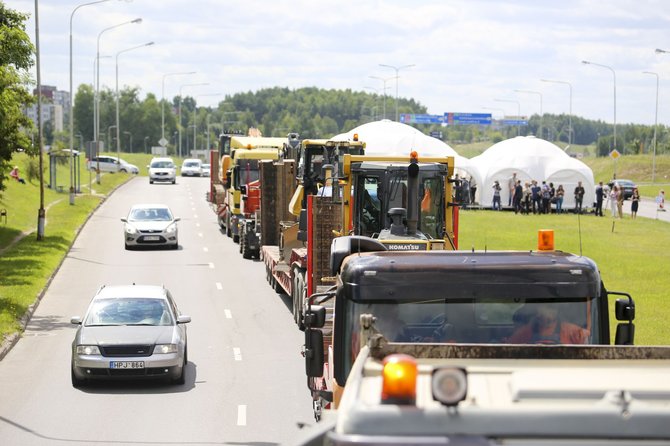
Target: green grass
(632, 255)
(27, 265)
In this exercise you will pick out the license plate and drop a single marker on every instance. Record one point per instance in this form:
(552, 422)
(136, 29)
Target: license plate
(126, 364)
(151, 238)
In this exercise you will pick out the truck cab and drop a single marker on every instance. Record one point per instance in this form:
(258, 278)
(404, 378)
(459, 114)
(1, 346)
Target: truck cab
(456, 297)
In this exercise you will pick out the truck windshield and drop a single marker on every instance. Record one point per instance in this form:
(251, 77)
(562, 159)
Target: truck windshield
(247, 171)
(479, 321)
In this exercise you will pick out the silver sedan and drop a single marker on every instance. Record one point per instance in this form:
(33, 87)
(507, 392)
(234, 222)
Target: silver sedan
(130, 331)
(150, 225)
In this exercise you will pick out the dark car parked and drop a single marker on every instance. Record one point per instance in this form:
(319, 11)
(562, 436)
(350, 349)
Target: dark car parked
(627, 186)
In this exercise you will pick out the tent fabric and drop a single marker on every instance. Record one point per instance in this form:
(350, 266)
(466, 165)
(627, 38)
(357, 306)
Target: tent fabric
(532, 159)
(391, 138)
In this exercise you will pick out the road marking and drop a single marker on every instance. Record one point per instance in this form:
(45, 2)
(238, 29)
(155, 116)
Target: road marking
(193, 209)
(242, 415)
(211, 265)
(237, 353)
(197, 225)
(199, 234)
(204, 248)
(228, 314)
(219, 286)
(195, 215)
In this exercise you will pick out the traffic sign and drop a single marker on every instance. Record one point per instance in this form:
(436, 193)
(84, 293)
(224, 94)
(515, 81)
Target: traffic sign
(614, 154)
(409, 118)
(163, 142)
(515, 122)
(468, 118)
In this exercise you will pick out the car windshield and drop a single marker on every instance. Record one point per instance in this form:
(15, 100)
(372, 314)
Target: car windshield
(162, 165)
(191, 164)
(150, 214)
(129, 311)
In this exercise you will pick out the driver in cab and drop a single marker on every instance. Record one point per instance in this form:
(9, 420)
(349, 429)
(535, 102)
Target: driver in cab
(546, 327)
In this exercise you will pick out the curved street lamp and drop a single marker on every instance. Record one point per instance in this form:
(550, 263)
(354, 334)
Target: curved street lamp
(72, 186)
(541, 114)
(181, 87)
(384, 80)
(397, 69)
(96, 111)
(118, 126)
(586, 62)
(518, 107)
(163, 98)
(195, 108)
(653, 159)
(570, 115)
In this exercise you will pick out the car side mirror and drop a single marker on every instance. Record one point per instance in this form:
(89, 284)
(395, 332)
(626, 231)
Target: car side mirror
(76, 320)
(177, 219)
(125, 220)
(183, 319)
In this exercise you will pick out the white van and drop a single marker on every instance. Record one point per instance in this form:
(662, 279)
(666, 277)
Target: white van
(191, 167)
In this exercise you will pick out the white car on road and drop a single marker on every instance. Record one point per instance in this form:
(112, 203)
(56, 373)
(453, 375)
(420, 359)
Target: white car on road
(162, 169)
(191, 167)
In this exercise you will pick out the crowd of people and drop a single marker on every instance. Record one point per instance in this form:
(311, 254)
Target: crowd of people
(531, 197)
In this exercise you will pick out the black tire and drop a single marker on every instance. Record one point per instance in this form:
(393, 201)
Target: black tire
(128, 247)
(301, 291)
(229, 231)
(174, 181)
(181, 379)
(244, 246)
(151, 181)
(175, 246)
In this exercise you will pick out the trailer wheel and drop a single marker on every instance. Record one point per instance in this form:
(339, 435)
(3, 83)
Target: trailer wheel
(301, 294)
(295, 295)
(244, 246)
(229, 232)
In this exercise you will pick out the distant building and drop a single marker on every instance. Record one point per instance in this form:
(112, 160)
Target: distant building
(55, 107)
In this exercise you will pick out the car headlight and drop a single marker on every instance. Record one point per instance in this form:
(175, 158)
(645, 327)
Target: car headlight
(131, 230)
(171, 229)
(88, 350)
(165, 348)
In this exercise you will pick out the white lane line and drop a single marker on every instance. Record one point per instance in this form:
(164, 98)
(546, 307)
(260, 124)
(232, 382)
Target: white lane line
(204, 248)
(197, 225)
(237, 353)
(195, 215)
(242, 415)
(228, 314)
(193, 209)
(199, 234)
(219, 286)
(211, 265)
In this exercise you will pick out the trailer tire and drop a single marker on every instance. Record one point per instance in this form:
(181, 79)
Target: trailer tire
(229, 232)
(300, 293)
(244, 246)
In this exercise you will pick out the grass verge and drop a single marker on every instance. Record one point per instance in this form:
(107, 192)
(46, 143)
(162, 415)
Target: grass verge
(632, 255)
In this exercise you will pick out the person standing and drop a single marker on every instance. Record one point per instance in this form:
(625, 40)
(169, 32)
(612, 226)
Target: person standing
(660, 201)
(496, 195)
(518, 194)
(473, 189)
(579, 197)
(613, 197)
(511, 185)
(546, 198)
(600, 194)
(560, 192)
(535, 197)
(634, 202)
(619, 201)
(526, 199)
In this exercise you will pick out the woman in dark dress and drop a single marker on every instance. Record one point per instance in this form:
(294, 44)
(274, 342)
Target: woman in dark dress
(635, 202)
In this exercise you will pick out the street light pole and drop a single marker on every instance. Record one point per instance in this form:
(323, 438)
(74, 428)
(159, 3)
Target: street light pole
(163, 98)
(118, 126)
(397, 69)
(72, 187)
(541, 113)
(126, 132)
(41, 212)
(653, 159)
(181, 87)
(518, 107)
(195, 108)
(145, 144)
(96, 108)
(586, 62)
(570, 115)
(384, 80)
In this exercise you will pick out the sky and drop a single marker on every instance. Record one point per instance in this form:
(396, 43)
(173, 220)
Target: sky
(466, 56)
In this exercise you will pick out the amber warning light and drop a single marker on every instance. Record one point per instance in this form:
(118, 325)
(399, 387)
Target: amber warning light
(399, 379)
(414, 155)
(545, 240)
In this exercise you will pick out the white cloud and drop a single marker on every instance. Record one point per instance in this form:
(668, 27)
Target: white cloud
(465, 52)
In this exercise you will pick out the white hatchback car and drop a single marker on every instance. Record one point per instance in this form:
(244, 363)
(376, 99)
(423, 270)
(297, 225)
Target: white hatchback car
(191, 167)
(131, 332)
(162, 169)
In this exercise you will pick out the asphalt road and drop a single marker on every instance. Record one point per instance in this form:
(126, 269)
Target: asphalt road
(245, 381)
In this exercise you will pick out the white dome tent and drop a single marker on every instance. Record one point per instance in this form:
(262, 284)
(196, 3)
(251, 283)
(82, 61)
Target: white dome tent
(532, 159)
(387, 137)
